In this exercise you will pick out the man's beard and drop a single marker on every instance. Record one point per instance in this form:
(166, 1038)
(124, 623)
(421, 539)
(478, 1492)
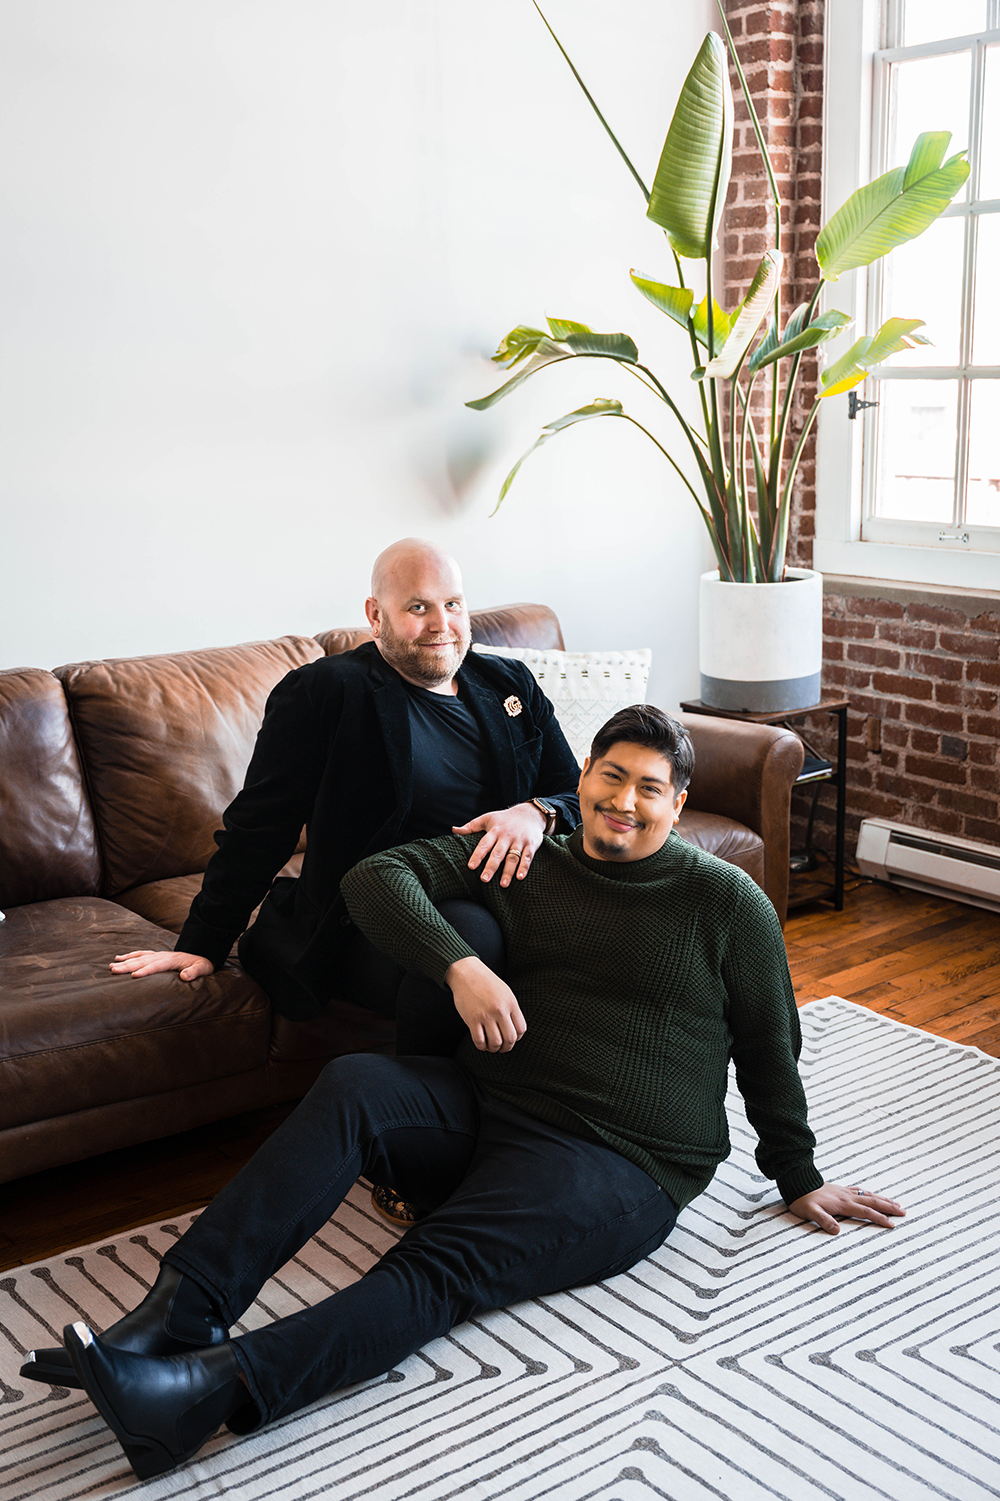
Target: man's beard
(611, 849)
(608, 851)
(415, 662)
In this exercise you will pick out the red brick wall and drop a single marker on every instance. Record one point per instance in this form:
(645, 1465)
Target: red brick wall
(922, 670)
(781, 52)
(923, 676)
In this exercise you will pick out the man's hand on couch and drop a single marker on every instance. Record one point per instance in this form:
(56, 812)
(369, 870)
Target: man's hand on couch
(143, 962)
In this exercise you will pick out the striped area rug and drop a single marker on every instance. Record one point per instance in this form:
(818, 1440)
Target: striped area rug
(751, 1358)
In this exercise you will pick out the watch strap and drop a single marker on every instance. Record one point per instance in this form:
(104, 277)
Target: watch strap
(549, 811)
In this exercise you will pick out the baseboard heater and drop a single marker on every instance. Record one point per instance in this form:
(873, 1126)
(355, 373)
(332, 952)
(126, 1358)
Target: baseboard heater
(934, 863)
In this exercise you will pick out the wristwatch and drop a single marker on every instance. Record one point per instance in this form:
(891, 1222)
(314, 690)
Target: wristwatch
(548, 810)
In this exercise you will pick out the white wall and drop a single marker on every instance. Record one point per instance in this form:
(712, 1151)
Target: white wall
(253, 257)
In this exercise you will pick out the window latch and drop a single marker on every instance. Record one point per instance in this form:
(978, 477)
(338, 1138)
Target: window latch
(854, 406)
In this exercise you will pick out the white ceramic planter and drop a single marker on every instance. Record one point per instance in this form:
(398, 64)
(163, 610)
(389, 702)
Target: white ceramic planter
(761, 645)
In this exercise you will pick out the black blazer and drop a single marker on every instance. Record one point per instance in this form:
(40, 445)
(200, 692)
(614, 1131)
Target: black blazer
(333, 754)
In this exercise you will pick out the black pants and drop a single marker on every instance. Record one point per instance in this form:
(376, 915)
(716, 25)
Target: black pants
(514, 1209)
(426, 1019)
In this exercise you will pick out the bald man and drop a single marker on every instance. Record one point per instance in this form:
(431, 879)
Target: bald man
(403, 738)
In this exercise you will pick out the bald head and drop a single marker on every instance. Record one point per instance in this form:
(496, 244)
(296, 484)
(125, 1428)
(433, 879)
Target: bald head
(417, 613)
(411, 554)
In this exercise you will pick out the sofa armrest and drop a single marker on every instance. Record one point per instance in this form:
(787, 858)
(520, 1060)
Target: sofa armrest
(746, 772)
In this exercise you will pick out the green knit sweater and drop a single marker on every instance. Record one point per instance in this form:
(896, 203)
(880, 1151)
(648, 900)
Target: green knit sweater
(637, 981)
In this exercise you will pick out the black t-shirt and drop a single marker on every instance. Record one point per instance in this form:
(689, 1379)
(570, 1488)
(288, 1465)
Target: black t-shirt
(453, 775)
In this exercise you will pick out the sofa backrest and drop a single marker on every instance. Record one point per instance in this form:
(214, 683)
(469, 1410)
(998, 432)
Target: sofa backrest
(116, 773)
(504, 625)
(48, 847)
(518, 625)
(166, 741)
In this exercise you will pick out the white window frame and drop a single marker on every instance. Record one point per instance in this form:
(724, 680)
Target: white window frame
(852, 39)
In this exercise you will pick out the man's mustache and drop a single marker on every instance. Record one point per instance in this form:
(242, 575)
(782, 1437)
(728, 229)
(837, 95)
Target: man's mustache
(633, 823)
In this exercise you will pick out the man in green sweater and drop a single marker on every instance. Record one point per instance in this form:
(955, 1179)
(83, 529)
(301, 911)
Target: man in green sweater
(582, 1110)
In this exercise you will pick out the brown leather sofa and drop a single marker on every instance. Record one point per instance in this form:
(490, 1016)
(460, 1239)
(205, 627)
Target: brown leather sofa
(113, 777)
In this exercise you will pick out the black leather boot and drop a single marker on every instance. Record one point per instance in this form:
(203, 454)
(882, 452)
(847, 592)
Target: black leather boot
(161, 1409)
(175, 1315)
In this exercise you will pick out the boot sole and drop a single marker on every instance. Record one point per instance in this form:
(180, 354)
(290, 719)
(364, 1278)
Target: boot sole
(54, 1373)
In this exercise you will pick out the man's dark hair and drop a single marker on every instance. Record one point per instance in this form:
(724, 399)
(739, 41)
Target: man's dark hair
(642, 724)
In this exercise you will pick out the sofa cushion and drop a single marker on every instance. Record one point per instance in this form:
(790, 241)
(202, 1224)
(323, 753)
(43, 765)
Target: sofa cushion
(73, 1036)
(48, 847)
(166, 741)
(167, 903)
(586, 688)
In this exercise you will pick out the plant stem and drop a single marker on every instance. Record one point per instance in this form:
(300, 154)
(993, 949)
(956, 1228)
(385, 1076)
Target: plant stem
(614, 139)
(743, 434)
(778, 493)
(693, 438)
(695, 356)
(704, 513)
(775, 198)
(720, 479)
(781, 536)
(651, 384)
(755, 122)
(732, 489)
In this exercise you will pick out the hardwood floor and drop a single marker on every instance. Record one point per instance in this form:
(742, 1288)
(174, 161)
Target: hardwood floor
(930, 963)
(86, 1201)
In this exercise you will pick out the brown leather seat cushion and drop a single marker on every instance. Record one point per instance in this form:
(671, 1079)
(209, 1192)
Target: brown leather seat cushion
(74, 1036)
(723, 837)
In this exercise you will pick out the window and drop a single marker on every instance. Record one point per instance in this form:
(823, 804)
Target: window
(911, 487)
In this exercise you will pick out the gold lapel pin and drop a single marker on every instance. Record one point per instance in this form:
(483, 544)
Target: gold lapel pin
(513, 706)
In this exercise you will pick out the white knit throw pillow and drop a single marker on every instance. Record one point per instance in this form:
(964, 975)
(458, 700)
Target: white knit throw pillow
(585, 687)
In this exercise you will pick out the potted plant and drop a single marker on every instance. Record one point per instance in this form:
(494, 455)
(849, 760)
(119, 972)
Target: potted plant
(760, 638)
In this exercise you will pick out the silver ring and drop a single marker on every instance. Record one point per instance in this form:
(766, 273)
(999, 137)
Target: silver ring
(860, 1192)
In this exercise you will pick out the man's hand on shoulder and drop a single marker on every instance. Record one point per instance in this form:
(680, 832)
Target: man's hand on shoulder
(487, 1006)
(510, 838)
(831, 1202)
(142, 962)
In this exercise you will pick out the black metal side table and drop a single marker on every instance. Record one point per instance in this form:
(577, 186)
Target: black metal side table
(812, 771)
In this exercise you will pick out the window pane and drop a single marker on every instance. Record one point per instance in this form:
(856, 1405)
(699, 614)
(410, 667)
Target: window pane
(983, 503)
(917, 450)
(929, 93)
(930, 21)
(986, 327)
(923, 279)
(989, 185)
